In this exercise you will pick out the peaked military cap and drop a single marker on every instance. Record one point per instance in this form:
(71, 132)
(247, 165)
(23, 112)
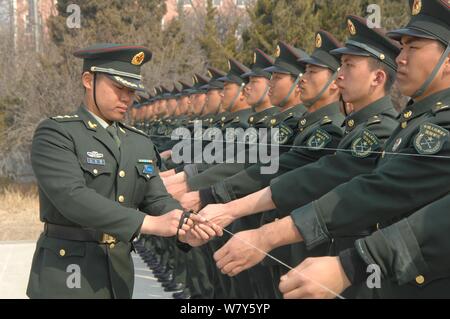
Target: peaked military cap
(286, 61)
(235, 72)
(185, 88)
(199, 82)
(122, 63)
(430, 19)
(324, 43)
(365, 41)
(215, 82)
(261, 61)
(158, 93)
(166, 93)
(176, 92)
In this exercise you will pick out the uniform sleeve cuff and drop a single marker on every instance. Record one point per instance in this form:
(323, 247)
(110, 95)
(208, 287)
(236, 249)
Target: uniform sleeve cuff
(310, 226)
(191, 170)
(179, 169)
(353, 265)
(221, 193)
(206, 197)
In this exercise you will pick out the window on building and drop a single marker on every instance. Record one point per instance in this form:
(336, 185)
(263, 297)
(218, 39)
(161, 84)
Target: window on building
(185, 3)
(241, 3)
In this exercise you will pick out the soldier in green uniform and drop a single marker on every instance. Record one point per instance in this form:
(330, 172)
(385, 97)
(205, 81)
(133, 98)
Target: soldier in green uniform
(256, 93)
(98, 185)
(284, 92)
(374, 116)
(412, 172)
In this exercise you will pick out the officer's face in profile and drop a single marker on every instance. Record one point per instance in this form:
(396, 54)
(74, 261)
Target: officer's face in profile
(356, 79)
(314, 80)
(230, 91)
(213, 100)
(198, 101)
(280, 85)
(113, 99)
(171, 105)
(415, 63)
(183, 104)
(255, 89)
(148, 112)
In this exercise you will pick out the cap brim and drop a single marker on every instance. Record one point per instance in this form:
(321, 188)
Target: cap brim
(276, 69)
(130, 83)
(313, 61)
(399, 33)
(349, 51)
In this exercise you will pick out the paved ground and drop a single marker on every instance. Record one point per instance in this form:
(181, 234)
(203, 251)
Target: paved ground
(15, 263)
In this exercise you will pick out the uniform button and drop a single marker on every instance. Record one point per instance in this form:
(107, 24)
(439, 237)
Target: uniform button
(62, 252)
(148, 176)
(121, 199)
(122, 174)
(404, 125)
(383, 154)
(112, 246)
(351, 123)
(95, 171)
(420, 279)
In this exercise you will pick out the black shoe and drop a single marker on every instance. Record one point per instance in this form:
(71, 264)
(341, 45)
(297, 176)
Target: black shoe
(165, 277)
(182, 295)
(174, 288)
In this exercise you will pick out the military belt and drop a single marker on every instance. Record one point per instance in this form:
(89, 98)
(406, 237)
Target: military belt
(77, 234)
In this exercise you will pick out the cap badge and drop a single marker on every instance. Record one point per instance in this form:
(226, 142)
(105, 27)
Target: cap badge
(138, 58)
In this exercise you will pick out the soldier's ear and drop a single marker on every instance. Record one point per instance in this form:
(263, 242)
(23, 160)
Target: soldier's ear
(87, 80)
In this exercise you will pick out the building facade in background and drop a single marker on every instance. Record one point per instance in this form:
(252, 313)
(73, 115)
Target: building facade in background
(28, 22)
(191, 6)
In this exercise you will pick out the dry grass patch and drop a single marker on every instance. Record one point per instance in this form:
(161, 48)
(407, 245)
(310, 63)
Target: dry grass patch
(19, 213)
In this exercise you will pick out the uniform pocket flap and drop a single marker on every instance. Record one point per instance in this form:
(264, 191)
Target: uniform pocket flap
(96, 167)
(64, 248)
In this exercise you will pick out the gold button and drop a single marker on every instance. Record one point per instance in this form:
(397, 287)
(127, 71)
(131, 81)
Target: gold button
(404, 125)
(121, 199)
(62, 252)
(303, 122)
(408, 114)
(122, 174)
(112, 246)
(351, 123)
(420, 279)
(382, 57)
(95, 171)
(148, 176)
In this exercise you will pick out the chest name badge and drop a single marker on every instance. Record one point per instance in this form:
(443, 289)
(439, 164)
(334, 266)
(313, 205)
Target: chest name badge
(96, 161)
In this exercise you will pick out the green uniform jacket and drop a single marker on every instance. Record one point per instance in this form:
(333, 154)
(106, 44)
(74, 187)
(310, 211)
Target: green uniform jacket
(322, 125)
(414, 253)
(86, 182)
(372, 125)
(413, 171)
(221, 171)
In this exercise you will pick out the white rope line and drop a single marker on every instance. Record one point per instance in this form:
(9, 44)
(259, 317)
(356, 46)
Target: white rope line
(279, 261)
(317, 149)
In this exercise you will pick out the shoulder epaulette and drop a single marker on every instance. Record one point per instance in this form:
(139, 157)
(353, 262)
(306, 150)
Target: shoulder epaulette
(66, 118)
